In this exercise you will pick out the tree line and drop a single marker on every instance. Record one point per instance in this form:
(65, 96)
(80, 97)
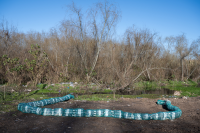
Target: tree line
(82, 48)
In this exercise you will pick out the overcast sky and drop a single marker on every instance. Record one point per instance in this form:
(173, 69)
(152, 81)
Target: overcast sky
(166, 17)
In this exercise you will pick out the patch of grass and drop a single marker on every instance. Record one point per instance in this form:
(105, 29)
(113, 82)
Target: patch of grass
(38, 97)
(187, 91)
(11, 96)
(73, 90)
(41, 86)
(108, 97)
(7, 107)
(44, 91)
(146, 84)
(180, 83)
(106, 91)
(139, 84)
(95, 97)
(190, 82)
(174, 83)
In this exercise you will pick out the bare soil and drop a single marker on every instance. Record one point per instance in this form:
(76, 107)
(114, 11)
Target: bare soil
(26, 123)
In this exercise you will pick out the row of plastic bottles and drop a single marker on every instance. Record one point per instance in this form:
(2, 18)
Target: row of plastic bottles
(33, 107)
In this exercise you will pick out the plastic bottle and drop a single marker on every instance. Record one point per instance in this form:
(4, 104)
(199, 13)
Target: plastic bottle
(33, 107)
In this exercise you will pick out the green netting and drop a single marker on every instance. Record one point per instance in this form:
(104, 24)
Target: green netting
(33, 107)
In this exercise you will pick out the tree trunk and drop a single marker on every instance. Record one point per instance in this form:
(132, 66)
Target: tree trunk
(88, 77)
(148, 74)
(181, 69)
(114, 94)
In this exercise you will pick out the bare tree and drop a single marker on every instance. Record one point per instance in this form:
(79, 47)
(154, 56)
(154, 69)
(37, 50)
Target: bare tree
(100, 30)
(183, 49)
(196, 53)
(138, 54)
(7, 33)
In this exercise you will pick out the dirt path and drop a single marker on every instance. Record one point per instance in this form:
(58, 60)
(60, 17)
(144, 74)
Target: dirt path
(27, 123)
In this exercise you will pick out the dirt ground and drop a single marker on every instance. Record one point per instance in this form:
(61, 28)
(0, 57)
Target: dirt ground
(26, 123)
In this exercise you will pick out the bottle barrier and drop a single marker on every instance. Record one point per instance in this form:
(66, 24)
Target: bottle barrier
(34, 107)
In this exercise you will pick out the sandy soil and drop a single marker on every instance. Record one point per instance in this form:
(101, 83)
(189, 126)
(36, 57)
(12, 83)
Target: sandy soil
(27, 123)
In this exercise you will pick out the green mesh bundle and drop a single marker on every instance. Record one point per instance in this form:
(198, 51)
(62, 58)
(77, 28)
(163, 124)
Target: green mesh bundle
(33, 107)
